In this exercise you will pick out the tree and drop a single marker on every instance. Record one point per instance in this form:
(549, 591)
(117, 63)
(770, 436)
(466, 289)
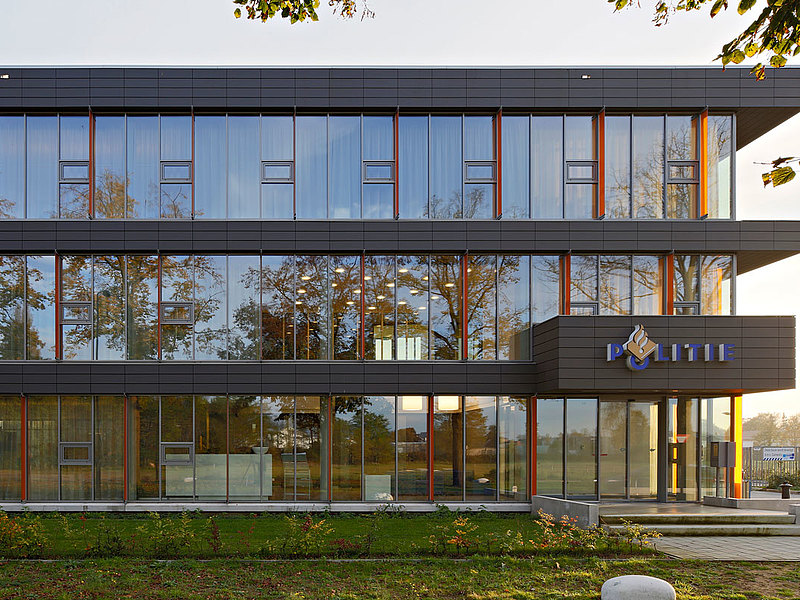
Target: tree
(297, 10)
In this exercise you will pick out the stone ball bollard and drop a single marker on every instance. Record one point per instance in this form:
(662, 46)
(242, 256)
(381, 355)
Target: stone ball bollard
(636, 587)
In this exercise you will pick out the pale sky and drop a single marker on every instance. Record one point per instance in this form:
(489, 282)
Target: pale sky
(428, 33)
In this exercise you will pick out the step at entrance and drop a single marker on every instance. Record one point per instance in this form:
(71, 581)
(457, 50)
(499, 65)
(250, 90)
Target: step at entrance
(704, 522)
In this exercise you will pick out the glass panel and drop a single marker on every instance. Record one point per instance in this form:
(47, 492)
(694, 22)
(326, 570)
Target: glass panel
(412, 308)
(12, 167)
(479, 201)
(143, 451)
(480, 451)
(648, 285)
(445, 307)
(312, 168)
(42, 167)
(716, 274)
(278, 171)
(210, 173)
(379, 449)
(41, 322)
(345, 292)
(681, 200)
(412, 448)
(378, 138)
(143, 163)
(109, 169)
(210, 450)
(12, 307)
(720, 166)
(580, 171)
(643, 449)
(516, 163)
(716, 421)
(10, 448)
(311, 307)
(108, 448)
(176, 171)
(210, 308)
(479, 138)
(613, 440)
(277, 425)
(378, 199)
(682, 434)
(277, 138)
(177, 277)
(76, 426)
(72, 453)
(277, 201)
(580, 138)
(75, 171)
(346, 448)
(481, 307)
(73, 200)
(445, 168)
(448, 448)
(176, 138)
(683, 172)
(277, 307)
(545, 284)
(76, 285)
(249, 461)
(244, 168)
(687, 278)
(42, 445)
(615, 285)
(380, 171)
(142, 307)
(579, 201)
(74, 138)
(581, 463)
(513, 308)
(379, 319)
(413, 148)
(648, 167)
(618, 167)
(176, 201)
(512, 426)
(547, 167)
(177, 480)
(311, 449)
(550, 446)
(344, 136)
(583, 278)
(244, 298)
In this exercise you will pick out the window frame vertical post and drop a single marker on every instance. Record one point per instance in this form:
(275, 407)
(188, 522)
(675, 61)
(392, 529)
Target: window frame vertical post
(91, 163)
(669, 276)
(566, 281)
(363, 306)
(57, 302)
(532, 432)
(499, 168)
(703, 154)
(601, 165)
(125, 473)
(430, 448)
(396, 151)
(23, 467)
(191, 213)
(736, 438)
(464, 305)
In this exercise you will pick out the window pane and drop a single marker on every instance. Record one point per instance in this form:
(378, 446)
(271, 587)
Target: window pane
(176, 138)
(581, 468)
(378, 200)
(716, 277)
(75, 171)
(210, 310)
(177, 171)
(12, 167)
(479, 201)
(311, 308)
(177, 279)
(277, 307)
(445, 307)
(481, 307)
(579, 136)
(345, 291)
(142, 168)
(210, 447)
(615, 285)
(177, 480)
(277, 135)
(312, 167)
(249, 461)
(512, 427)
(479, 138)
(648, 285)
(448, 448)
(720, 166)
(480, 171)
(579, 201)
(378, 171)
(545, 283)
(41, 326)
(583, 278)
(277, 201)
(481, 448)
(12, 308)
(76, 285)
(682, 145)
(687, 273)
(244, 176)
(379, 305)
(379, 449)
(445, 168)
(618, 167)
(277, 425)
(42, 445)
(513, 307)
(516, 164)
(142, 307)
(580, 171)
(10, 448)
(73, 201)
(42, 167)
(311, 449)
(143, 447)
(278, 171)
(109, 307)
(108, 448)
(378, 138)
(414, 171)
(346, 448)
(176, 201)
(244, 298)
(210, 173)
(74, 139)
(345, 172)
(412, 447)
(412, 308)
(76, 426)
(648, 167)
(550, 446)
(109, 168)
(547, 167)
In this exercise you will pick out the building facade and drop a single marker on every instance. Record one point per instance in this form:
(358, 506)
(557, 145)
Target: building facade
(347, 287)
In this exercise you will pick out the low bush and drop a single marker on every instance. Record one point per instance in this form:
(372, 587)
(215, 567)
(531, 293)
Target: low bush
(776, 479)
(21, 536)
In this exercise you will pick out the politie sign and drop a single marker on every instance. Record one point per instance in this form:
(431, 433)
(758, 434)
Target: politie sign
(640, 351)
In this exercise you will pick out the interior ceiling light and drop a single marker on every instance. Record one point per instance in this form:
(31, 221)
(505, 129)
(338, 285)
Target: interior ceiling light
(350, 303)
(402, 302)
(372, 308)
(305, 278)
(449, 285)
(334, 284)
(381, 297)
(403, 270)
(301, 291)
(340, 270)
(389, 285)
(356, 291)
(367, 278)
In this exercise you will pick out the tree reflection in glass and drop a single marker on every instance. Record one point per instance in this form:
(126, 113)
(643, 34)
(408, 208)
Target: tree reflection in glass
(412, 308)
(445, 307)
(379, 303)
(12, 308)
(277, 307)
(345, 298)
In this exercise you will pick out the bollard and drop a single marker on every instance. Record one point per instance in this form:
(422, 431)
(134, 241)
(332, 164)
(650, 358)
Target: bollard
(636, 587)
(786, 488)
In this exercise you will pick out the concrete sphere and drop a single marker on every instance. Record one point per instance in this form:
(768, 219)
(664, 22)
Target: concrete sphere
(637, 587)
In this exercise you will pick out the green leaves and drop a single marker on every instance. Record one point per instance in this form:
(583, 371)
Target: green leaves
(237, 13)
(778, 176)
(777, 61)
(737, 56)
(745, 5)
(298, 10)
(718, 6)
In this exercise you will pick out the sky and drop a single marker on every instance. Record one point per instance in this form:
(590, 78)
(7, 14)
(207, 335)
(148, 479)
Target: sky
(429, 33)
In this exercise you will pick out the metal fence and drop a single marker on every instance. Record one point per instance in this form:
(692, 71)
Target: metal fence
(757, 471)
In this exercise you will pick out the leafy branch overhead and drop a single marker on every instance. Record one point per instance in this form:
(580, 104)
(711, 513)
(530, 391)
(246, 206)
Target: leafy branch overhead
(781, 171)
(297, 10)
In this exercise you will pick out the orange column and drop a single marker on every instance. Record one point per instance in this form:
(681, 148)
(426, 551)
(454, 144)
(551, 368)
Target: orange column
(125, 448)
(736, 437)
(566, 278)
(430, 448)
(498, 213)
(601, 165)
(91, 164)
(669, 263)
(396, 148)
(532, 427)
(24, 443)
(704, 164)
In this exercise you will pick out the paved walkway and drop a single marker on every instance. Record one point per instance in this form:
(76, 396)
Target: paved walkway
(762, 548)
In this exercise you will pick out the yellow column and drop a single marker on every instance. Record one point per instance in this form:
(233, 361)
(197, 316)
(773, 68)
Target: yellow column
(736, 436)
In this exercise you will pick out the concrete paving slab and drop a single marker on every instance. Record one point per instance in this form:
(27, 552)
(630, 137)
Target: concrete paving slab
(741, 548)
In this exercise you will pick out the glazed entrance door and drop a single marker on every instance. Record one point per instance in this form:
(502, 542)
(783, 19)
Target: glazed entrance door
(682, 452)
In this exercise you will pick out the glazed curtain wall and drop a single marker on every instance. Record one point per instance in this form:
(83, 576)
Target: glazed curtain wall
(573, 166)
(264, 448)
(319, 307)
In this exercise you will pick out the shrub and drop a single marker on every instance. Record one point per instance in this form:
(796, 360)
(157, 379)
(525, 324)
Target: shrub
(304, 536)
(21, 536)
(167, 536)
(776, 479)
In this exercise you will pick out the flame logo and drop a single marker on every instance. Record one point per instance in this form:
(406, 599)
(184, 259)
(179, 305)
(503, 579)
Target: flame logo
(639, 346)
